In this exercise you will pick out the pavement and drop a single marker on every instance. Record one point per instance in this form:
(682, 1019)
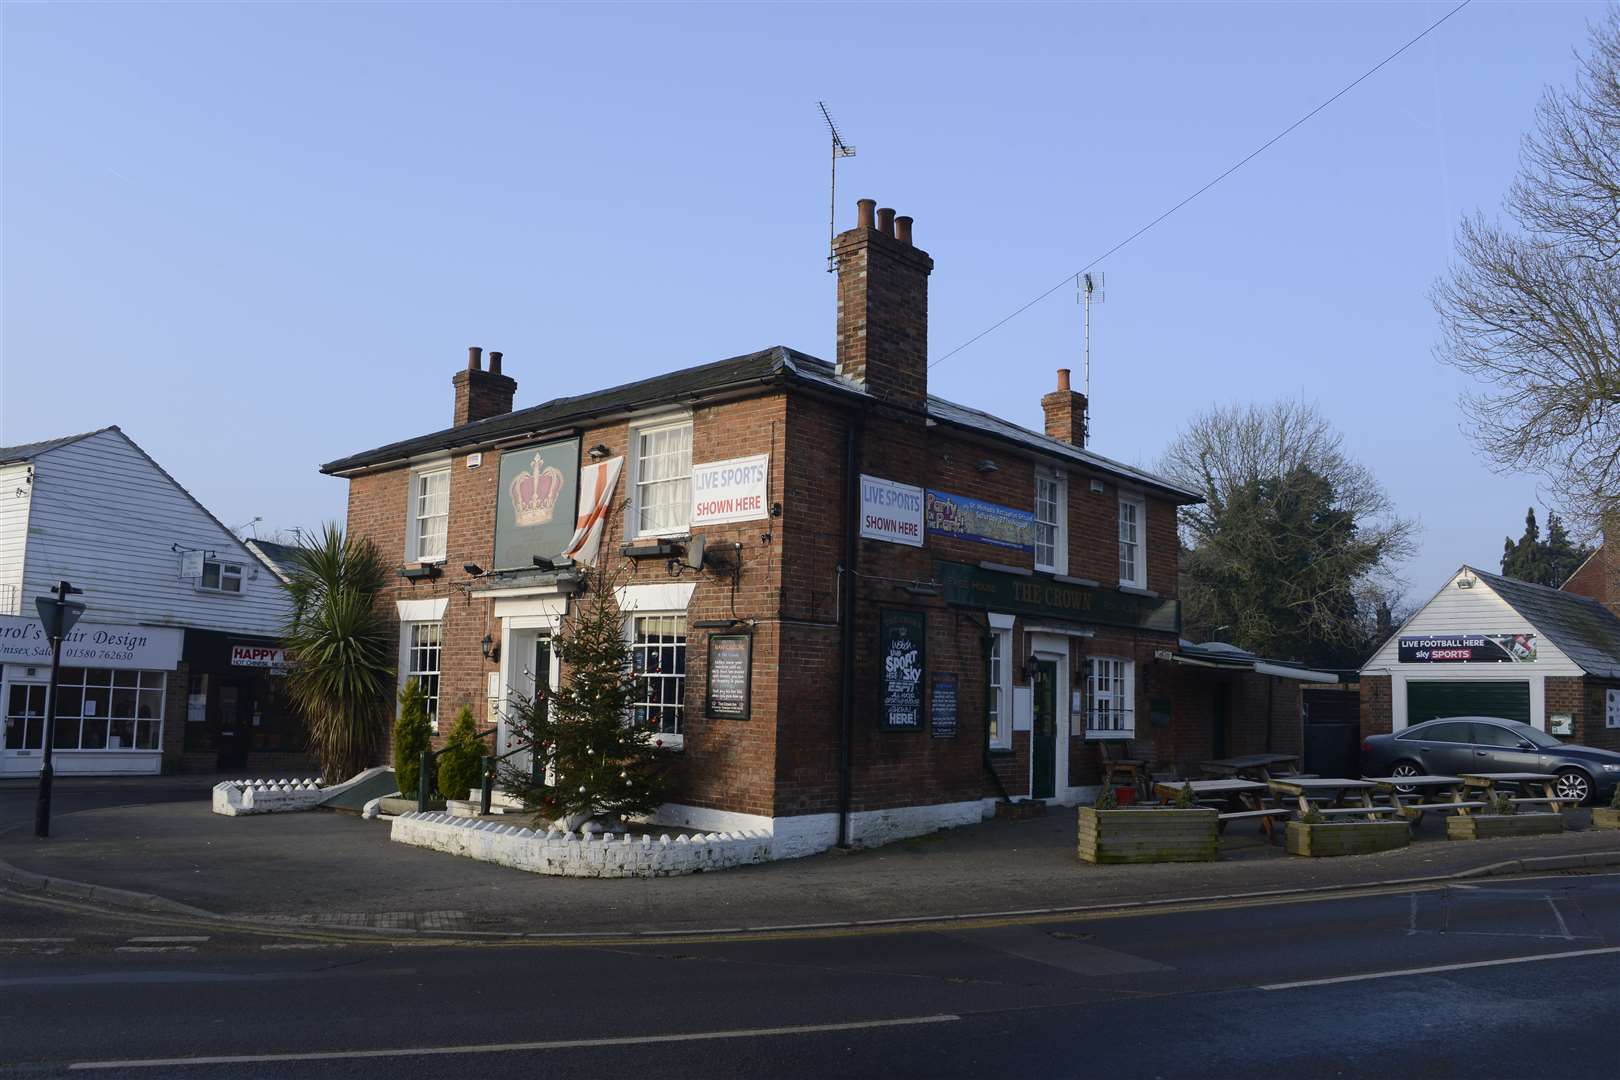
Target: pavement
(158, 845)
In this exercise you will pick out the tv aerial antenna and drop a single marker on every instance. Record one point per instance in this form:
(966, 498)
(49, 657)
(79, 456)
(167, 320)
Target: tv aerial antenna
(840, 149)
(1088, 290)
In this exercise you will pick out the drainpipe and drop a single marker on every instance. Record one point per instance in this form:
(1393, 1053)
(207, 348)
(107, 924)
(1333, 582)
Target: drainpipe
(846, 620)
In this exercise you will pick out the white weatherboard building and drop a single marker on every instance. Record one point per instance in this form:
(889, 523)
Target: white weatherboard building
(167, 669)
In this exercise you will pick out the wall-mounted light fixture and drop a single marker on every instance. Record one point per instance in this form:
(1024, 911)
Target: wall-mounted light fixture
(492, 651)
(473, 569)
(987, 466)
(598, 452)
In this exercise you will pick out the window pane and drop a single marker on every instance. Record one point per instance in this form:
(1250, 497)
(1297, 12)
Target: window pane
(94, 735)
(123, 704)
(65, 733)
(121, 735)
(1491, 735)
(150, 705)
(231, 579)
(96, 700)
(97, 677)
(126, 678)
(153, 680)
(663, 479)
(146, 735)
(432, 514)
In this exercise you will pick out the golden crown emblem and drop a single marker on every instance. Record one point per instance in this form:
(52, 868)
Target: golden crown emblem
(534, 493)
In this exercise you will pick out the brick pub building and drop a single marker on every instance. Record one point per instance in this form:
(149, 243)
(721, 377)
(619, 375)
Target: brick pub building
(905, 610)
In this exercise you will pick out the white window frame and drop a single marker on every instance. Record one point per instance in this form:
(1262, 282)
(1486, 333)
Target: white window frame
(639, 431)
(1059, 563)
(232, 571)
(414, 516)
(998, 692)
(666, 740)
(1137, 542)
(139, 689)
(1118, 719)
(408, 650)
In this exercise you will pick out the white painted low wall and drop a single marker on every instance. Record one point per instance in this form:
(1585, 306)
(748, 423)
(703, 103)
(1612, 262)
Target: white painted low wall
(234, 798)
(567, 855)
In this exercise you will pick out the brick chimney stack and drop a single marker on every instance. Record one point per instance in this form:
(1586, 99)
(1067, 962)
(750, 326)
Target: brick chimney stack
(481, 394)
(883, 307)
(1065, 409)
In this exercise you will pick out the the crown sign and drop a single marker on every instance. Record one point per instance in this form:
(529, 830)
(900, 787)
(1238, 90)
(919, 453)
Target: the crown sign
(534, 493)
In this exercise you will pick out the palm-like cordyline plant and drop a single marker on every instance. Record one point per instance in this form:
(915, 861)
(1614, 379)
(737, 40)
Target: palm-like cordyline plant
(342, 653)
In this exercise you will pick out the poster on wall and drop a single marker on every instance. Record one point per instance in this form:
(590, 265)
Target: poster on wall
(962, 518)
(891, 511)
(902, 636)
(1467, 649)
(534, 505)
(730, 658)
(942, 707)
(734, 490)
(1612, 710)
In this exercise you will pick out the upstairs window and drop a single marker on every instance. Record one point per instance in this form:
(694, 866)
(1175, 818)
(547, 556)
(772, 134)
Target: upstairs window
(1132, 565)
(1051, 552)
(662, 478)
(429, 515)
(220, 577)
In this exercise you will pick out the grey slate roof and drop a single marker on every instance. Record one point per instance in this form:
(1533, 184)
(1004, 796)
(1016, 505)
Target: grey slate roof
(279, 556)
(1586, 631)
(30, 451)
(777, 364)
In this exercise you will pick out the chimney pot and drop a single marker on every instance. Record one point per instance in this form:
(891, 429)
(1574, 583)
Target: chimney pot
(885, 221)
(475, 358)
(494, 362)
(863, 212)
(902, 230)
(1063, 375)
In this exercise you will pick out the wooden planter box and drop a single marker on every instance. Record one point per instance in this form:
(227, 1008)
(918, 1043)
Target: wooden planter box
(1487, 826)
(1347, 837)
(1605, 817)
(1148, 834)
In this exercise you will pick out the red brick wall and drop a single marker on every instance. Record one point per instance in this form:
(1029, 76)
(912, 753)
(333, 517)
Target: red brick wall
(1377, 708)
(1590, 728)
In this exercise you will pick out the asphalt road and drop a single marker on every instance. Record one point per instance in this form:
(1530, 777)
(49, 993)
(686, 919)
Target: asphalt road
(1506, 977)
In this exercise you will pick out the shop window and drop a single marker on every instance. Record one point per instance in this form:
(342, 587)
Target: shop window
(1132, 565)
(1110, 697)
(423, 644)
(999, 692)
(96, 709)
(661, 479)
(430, 515)
(1051, 544)
(658, 658)
(25, 717)
(217, 576)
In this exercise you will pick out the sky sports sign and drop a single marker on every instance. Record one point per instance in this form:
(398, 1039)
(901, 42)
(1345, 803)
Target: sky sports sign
(1467, 649)
(891, 511)
(733, 490)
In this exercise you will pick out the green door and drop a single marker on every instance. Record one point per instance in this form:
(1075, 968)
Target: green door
(1043, 740)
(1427, 700)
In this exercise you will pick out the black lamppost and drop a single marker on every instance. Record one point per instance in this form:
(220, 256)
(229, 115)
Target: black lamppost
(58, 615)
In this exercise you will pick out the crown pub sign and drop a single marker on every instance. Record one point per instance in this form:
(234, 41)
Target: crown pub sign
(536, 502)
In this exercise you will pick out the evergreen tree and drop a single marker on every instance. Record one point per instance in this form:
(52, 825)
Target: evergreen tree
(593, 758)
(412, 735)
(461, 758)
(1547, 562)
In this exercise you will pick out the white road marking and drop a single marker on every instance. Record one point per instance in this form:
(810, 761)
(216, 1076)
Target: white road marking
(1563, 927)
(157, 939)
(31, 940)
(507, 1048)
(306, 945)
(156, 948)
(1436, 969)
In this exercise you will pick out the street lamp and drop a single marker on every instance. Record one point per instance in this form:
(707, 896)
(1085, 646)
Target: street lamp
(57, 615)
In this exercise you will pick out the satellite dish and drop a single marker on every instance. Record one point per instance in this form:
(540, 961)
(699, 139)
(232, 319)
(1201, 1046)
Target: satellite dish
(694, 553)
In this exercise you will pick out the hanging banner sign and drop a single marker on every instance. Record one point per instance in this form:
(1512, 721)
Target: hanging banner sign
(903, 636)
(962, 518)
(891, 511)
(102, 645)
(1467, 649)
(942, 708)
(731, 490)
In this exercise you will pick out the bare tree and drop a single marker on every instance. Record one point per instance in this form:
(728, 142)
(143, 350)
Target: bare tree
(1532, 308)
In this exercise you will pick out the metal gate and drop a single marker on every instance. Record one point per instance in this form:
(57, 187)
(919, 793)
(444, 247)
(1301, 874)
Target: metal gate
(1332, 725)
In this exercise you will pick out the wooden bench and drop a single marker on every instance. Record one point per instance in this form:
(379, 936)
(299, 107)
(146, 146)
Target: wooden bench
(1326, 811)
(1519, 800)
(1235, 815)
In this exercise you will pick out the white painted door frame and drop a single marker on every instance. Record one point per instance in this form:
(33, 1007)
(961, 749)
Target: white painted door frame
(1055, 648)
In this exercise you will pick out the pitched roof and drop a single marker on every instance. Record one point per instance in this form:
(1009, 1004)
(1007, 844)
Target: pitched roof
(778, 365)
(279, 557)
(1586, 631)
(30, 451)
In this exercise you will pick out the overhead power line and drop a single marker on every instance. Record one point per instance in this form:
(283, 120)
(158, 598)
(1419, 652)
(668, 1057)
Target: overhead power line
(1262, 148)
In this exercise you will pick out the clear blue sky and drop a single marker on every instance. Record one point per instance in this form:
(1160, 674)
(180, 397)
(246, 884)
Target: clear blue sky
(259, 237)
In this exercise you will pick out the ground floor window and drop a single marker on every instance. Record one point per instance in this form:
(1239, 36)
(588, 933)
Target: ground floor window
(997, 692)
(423, 645)
(1109, 696)
(96, 709)
(658, 657)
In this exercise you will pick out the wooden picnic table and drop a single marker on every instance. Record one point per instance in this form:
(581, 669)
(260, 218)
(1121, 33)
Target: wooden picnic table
(1430, 788)
(1335, 789)
(1249, 794)
(1259, 767)
(1487, 783)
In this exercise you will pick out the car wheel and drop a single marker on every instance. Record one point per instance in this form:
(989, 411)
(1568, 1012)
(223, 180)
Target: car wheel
(1405, 768)
(1573, 786)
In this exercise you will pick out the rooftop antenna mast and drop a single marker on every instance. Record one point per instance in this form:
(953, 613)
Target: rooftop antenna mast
(1090, 289)
(840, 149)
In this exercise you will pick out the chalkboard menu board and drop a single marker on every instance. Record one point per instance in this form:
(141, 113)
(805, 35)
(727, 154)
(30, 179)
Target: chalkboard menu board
(942, 708)
(730, 661)
(903, 636)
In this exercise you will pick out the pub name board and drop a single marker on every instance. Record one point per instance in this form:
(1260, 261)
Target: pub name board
(995, 590)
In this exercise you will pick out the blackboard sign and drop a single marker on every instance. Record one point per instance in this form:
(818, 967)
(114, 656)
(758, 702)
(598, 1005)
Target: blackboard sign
(902, 637)
(730, 661)
(942, 708)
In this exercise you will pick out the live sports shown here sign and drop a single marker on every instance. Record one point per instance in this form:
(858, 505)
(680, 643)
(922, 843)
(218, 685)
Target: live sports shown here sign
(891, 511)
(734, 490)
(102, 645)
(1467, 648)
(903, 635)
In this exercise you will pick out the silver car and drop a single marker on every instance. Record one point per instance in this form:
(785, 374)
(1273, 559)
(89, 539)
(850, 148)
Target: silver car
(1451, 745)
